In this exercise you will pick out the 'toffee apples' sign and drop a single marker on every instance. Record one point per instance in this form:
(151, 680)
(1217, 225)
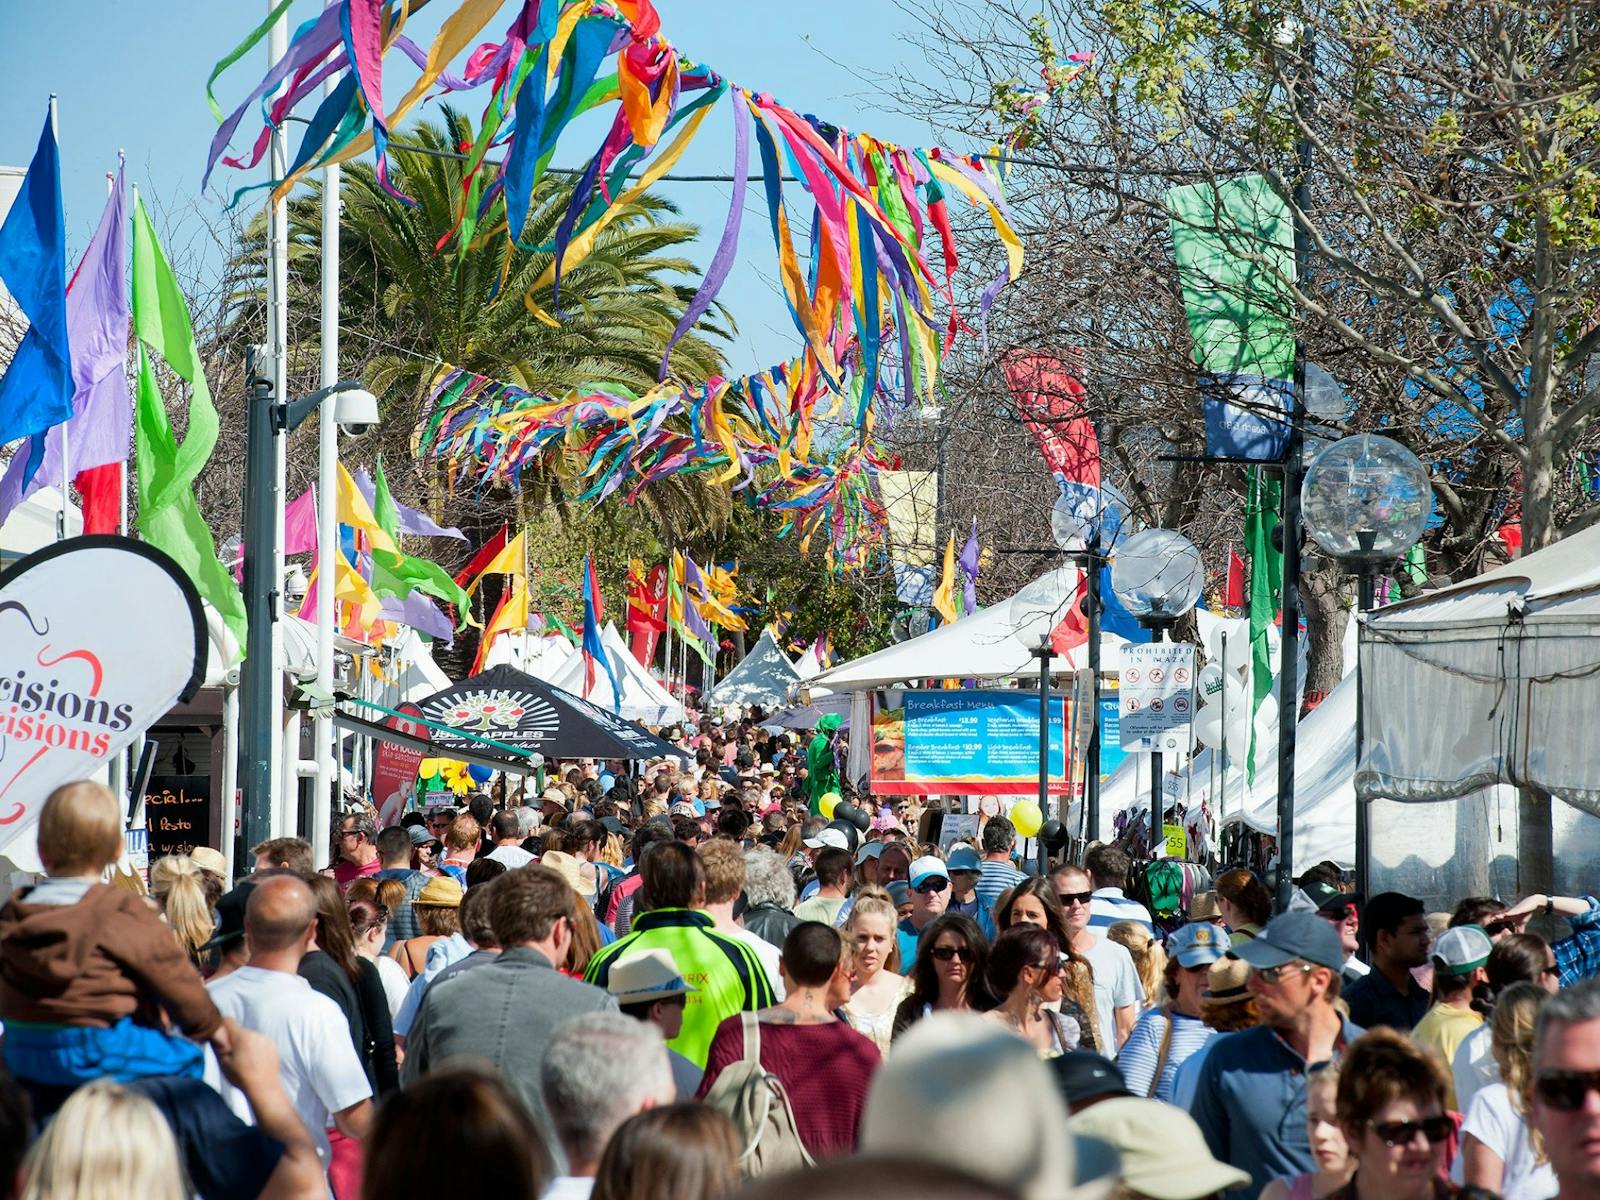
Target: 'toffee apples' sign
(99, 636)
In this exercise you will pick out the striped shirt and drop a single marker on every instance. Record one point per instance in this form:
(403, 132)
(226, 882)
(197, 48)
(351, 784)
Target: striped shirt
(1109, 905)
(1137, 1058)
(995, 879)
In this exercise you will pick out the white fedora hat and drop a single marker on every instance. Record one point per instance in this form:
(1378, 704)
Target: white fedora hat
(647, 975)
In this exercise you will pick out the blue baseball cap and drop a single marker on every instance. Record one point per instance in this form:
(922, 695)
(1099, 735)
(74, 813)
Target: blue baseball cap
(900, 892)
(964, 858)
(1197, 945)
(1294, 935)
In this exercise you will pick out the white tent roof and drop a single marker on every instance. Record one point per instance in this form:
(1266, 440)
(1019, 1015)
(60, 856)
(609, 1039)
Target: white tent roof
(414, 673)
(993, 643)
(765, 677)
(32, 524)
(643, 699)
(808, 665)
(544, 656)
(1489, 681)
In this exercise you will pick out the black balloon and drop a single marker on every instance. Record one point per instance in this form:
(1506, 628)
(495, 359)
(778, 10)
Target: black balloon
(853, 814)
(1053, 833)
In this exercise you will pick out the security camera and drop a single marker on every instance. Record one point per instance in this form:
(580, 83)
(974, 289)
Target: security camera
(356, 412)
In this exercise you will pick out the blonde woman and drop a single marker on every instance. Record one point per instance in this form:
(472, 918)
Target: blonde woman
(1149, 959)
(1329, 1150)
(877, 987)
(179, 887)
(106, 1143)
(1501, 1151)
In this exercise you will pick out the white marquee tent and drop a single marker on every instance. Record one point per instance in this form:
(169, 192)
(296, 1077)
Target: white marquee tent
(544, 656)
(765, 677)
(1495, 680)
(993, 643)
(643, 699)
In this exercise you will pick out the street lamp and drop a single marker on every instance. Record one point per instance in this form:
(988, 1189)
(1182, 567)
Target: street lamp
(1157, 575)
(1365, 501)
(267, 420)
(1083, 547)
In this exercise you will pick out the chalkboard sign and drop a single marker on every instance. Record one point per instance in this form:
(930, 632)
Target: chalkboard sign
(177, 813)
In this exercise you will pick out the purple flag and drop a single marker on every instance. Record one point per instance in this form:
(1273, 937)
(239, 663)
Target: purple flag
(969, 572)
(411, 520)
(97, 331)
(694, 585)
(422, 614)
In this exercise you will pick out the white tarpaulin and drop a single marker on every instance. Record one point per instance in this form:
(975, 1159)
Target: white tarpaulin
(643, 699)
(765, 677)
(1494, 680)
(543, 656)
(993, 643)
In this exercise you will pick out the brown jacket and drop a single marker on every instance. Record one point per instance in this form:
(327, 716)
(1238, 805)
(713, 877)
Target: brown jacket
(94, 962)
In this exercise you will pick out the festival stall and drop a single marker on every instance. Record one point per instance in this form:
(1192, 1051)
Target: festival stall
(641, 698)
(764, 677)
(993, 643)
(31, 525)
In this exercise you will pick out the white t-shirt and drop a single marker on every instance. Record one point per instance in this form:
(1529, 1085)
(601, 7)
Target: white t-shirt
(1474, 1067)
(316, 1059)
(1493, 1121)
(395, 983)
(1116, 985)
(514, 857)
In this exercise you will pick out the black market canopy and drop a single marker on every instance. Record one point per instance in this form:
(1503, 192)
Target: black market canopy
(515, 709)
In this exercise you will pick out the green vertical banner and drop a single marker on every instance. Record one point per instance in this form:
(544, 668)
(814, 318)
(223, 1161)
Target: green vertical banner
(1262, 511)
(1234, 246)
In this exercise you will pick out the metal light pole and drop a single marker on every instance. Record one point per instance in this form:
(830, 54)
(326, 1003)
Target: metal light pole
(1160, 625)
(259, 705)
(1091, 752)
(267, 420)
(1289, 642)
(1044, 652)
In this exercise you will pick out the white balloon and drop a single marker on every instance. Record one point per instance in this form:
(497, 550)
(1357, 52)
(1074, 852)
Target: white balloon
(1209, 680)
(1208, 725)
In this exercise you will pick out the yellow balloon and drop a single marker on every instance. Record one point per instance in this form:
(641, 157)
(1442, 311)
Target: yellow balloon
(1027, 818)
(826, 803)
(428, 768)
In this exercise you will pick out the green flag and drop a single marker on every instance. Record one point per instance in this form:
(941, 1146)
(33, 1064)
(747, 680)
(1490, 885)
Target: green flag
(401, 574)
(169, 516)
(1262, 505)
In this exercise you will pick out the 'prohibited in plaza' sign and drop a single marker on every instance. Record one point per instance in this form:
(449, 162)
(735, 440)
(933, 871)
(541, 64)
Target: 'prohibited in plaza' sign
(1157, 696)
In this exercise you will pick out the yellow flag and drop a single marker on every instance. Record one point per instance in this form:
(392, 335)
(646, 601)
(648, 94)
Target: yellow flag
(355, 512)
(509, 617)
(944, 602)
(507, 562)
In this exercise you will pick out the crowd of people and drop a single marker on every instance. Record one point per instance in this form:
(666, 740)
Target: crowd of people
(678, 981)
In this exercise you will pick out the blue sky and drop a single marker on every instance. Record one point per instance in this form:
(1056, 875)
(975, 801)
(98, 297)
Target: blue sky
(132, 76)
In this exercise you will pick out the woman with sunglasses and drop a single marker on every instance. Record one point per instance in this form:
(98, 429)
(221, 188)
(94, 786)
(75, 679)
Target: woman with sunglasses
(1500, 1151)
(948, 973)
(1391, 1105)
(1024, 974)
(1034, 902)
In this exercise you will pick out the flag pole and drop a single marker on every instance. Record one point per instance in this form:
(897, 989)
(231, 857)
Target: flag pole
(66, 494)
(122, 469)
(327, 776)
(283, 808)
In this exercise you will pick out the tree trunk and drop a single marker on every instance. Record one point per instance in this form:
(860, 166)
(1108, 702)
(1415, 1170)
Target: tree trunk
(1322, 598)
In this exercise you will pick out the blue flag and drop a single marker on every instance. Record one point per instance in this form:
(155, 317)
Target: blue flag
(36, 390)
(592, 647)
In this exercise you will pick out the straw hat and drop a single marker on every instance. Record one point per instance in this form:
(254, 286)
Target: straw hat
(1225, 983)
(647, 975)
(208, 859)
(568, 867)
(956, 1080)
(442, 892)
(1164, 1154)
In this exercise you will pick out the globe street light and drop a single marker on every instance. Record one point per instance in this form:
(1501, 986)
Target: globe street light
(1365, 501)
(1157, 575)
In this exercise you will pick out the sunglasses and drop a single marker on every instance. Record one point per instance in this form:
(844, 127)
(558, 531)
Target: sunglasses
(1068, 898)
(950, 954)
(1403, 1133)
(1276, 974)
(1566, 1091)
(931, 885)
(1051, 967)
(1553, 971)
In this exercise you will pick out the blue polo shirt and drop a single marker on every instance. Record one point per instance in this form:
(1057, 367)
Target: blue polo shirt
(1250, 1102)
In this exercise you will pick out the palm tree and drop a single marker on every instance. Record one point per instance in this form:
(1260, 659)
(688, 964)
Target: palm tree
(406, 306)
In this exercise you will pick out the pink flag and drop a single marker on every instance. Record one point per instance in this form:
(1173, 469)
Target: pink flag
(300, 524)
